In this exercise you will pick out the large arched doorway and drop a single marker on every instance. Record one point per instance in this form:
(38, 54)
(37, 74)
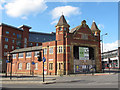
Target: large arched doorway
(84, 59)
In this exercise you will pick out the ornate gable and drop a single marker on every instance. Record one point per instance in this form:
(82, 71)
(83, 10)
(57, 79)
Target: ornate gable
(82, 32)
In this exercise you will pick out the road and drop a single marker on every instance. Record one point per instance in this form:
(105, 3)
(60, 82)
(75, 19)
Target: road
(74, 81)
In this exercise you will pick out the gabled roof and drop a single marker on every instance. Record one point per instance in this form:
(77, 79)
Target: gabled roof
(83, 24)
(94, 26)
(74, 29)
(62, 21)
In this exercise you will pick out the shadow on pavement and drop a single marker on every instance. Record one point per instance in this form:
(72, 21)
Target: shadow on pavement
(112, 71)
(18, 76)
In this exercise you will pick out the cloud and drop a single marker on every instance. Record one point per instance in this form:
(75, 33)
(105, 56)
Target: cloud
(100, 26)
(1, 7)
(24, 17)
(109, 46)
(1, 3)
(66, 10)
(22, 8)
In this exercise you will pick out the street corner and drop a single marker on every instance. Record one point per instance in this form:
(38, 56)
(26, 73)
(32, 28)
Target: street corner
(49, 82)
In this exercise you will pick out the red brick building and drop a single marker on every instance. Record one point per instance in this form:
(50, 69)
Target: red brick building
(12, 38)
(73, 51)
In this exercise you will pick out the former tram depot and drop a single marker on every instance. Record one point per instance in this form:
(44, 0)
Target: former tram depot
(71, 51)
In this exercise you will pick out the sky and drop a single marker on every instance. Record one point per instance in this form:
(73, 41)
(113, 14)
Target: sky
(43, 15)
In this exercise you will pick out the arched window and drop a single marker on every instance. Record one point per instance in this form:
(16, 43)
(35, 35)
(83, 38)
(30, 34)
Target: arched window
(28, 66)
(20, 66)
(36, 66)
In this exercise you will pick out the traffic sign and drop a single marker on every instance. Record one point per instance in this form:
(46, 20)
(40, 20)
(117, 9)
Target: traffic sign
(44, 59)
(7, 61)
(33, 63)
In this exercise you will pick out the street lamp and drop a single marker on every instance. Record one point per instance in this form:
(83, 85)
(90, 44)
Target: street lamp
(102, 46)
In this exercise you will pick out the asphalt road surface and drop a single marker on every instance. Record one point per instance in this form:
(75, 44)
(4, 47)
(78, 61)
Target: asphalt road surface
(105, 81)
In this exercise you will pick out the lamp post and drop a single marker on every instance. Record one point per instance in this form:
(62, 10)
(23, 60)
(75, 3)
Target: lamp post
(102, 46)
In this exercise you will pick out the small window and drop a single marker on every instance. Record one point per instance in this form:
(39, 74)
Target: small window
(13, 41)
(28, 54)
(37, 44)
(36, 53)
(7, 32)
(60, 49)
(51, 50)
(19, 36)
(45, 51)
(60, 28)
(14, 34)
(12, 47)
(25, 45)
(50, 66)
(14, 56)
(36, 66)
(18, 43)
(60, 66)
(6, 39)
(30, 44)
(65, 28)
(20, 55)
(28, 66)
(5, 53)
(20, 66)
(17, 47)
(6, 46)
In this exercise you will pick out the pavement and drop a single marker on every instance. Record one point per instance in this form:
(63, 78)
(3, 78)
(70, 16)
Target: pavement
(49, 79)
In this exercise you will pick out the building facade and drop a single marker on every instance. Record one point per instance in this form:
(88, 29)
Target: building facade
(12, 38)
(113, 56)
(73, 51)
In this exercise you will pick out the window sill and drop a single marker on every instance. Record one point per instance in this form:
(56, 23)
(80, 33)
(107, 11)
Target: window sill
(20, 57)
(35, 69)
(28, 57)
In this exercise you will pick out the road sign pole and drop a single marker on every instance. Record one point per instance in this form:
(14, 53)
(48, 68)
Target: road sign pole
(6, 70)
(43, 71)
(11, 70)
(43, 66)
